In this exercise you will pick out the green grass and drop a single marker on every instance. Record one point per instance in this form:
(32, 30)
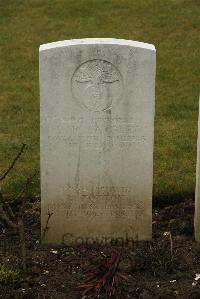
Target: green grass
(172, 25)
(8, 275)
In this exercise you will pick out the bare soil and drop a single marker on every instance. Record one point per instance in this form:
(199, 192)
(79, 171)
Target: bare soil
(164, 268)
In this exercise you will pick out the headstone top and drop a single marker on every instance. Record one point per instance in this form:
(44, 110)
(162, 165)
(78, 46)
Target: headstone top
(100, 41)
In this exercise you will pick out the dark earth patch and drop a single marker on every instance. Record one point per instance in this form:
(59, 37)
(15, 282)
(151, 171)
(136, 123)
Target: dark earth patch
(163, 268)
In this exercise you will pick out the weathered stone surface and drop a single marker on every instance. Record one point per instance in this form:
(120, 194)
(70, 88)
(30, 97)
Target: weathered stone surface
(97, 131)
(197, 191)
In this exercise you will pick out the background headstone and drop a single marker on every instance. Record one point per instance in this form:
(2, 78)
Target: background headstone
(97, 132)
(197, 192)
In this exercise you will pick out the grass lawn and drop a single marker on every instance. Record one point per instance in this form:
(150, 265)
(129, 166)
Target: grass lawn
(171, 25)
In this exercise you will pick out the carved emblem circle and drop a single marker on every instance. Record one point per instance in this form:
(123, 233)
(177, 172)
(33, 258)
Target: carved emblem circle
(96, 84)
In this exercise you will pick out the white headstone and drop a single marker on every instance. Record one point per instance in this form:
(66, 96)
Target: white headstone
(197, 193)
(97, 132)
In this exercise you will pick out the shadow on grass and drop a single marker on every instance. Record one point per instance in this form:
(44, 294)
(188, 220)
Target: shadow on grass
(163, 200)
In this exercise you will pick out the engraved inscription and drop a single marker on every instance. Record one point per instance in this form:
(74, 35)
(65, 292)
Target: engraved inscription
(94, 133)
(96, 84)
(102, 201)
(94, 212)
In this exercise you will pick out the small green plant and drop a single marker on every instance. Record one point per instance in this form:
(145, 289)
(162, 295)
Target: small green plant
(69, 251)
(8, 275)
(158, 257)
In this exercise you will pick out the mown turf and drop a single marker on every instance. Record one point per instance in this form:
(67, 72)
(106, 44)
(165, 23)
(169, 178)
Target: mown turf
(172, 25)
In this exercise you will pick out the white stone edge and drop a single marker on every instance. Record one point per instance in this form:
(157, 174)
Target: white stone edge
(97, 41)
(197, 186)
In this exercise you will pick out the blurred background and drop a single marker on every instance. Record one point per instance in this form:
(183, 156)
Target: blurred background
(171, 25)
